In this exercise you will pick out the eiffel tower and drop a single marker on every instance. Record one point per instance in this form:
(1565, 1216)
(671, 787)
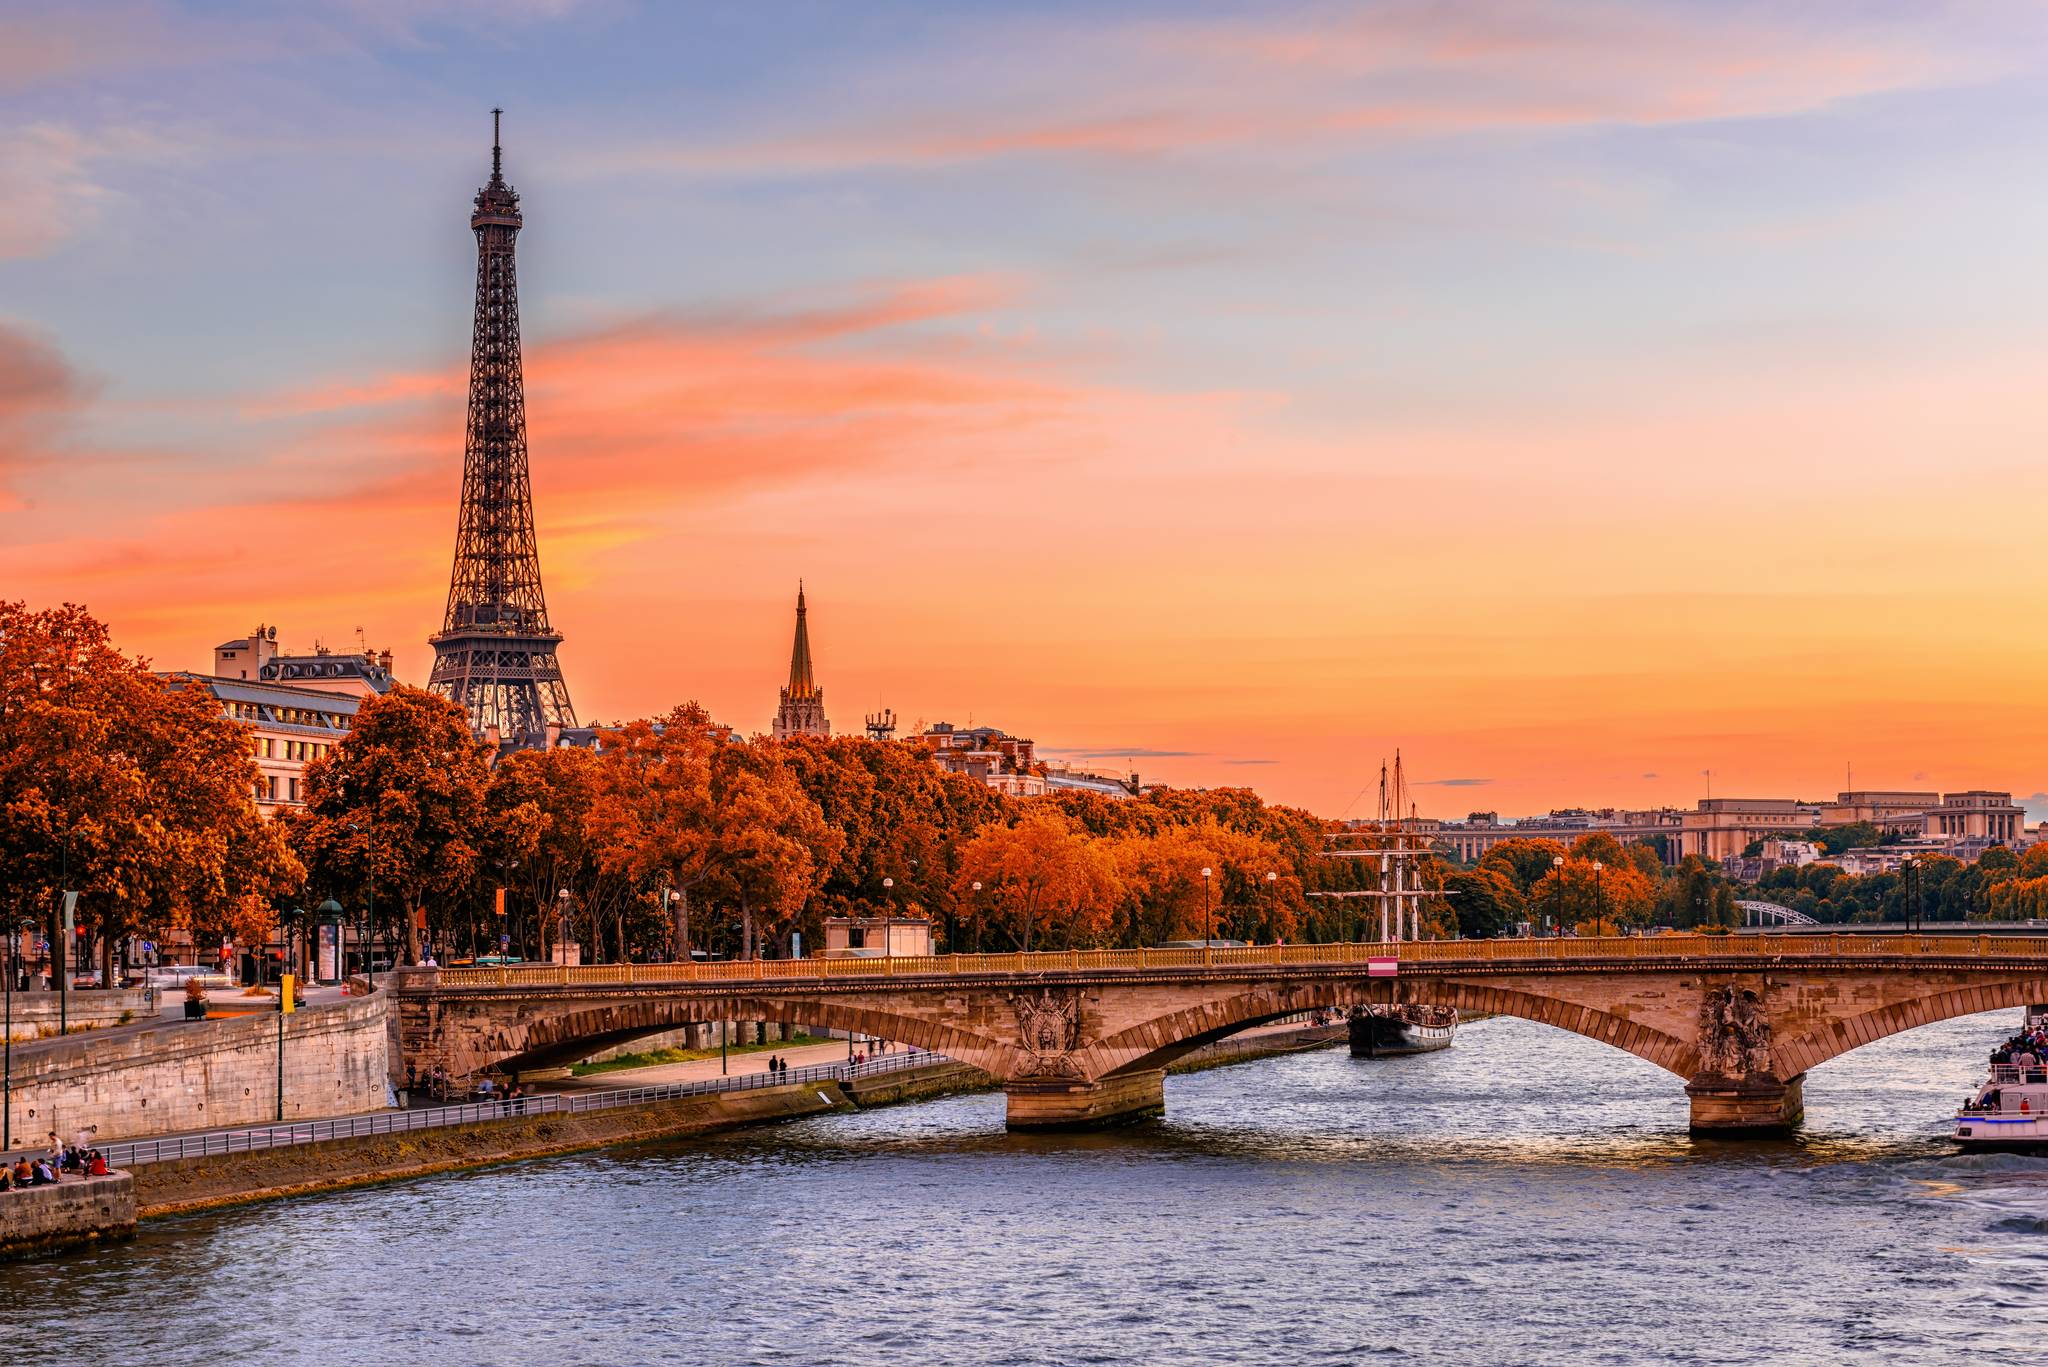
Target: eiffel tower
(495, 652)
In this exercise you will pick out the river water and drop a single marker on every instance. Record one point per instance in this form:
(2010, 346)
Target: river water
(1527, 1196)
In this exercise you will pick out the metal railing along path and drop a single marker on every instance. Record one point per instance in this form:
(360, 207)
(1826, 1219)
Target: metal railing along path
(1629, 948)
(259, 1137)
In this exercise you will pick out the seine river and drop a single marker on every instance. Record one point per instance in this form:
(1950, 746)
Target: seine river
(1528, 1196)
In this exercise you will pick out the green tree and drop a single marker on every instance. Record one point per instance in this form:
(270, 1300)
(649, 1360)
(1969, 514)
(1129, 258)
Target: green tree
(1486, 902)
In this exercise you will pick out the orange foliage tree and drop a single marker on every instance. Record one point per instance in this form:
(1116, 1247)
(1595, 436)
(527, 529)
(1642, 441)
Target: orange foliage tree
(1038, 875)
(131, 789)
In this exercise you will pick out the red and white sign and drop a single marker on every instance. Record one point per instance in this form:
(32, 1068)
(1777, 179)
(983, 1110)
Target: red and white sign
(1382, 968)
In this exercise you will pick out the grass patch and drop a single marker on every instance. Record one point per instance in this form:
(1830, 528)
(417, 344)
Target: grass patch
(654, 1056)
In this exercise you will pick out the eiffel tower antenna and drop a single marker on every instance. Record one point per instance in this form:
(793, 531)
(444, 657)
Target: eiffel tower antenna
(495, 652)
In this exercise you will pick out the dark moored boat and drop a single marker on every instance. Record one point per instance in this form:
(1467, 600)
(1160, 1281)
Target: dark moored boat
(1389, 1031)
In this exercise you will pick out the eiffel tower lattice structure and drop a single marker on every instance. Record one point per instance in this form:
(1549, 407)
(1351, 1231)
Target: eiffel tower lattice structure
(495, 653)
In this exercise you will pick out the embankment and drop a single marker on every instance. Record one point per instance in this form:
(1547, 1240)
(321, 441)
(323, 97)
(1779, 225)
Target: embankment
(1245, 1048)
(196, 1184)
(45, 1219)
(195, 1075)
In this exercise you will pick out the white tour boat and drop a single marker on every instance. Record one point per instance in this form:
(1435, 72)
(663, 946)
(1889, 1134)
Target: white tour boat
(2010, 1111)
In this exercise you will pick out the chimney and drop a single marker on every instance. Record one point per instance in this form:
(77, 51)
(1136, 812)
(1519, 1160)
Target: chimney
(384, 661)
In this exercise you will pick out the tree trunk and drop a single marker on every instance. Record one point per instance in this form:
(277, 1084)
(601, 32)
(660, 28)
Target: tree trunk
(682, 927)
(412, 934)
(746, 929)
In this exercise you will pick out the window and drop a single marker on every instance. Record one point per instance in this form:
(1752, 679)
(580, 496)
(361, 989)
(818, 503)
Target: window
(271, 784)
(295, 790)
(269, 748)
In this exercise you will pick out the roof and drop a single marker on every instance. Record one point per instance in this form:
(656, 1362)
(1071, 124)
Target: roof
(269, 694)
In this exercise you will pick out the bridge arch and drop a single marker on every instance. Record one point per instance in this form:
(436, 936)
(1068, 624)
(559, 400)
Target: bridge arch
(1836, 1037)
(551, 1038)
(1158, 1042)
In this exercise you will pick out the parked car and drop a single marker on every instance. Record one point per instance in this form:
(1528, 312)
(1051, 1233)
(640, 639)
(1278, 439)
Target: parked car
(86, 977)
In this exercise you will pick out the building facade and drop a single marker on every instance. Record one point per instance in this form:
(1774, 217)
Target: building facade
(1721, 828)
(296, 707)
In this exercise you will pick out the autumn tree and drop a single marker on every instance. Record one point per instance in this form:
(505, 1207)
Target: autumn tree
(397, 807)
(1039, 874)
(132, 789)
(1524, 859)
(773, 841)
(1603, 899)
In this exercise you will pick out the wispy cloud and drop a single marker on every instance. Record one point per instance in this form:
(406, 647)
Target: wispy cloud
(1284, 82)
(1453, 782)
(40, 393)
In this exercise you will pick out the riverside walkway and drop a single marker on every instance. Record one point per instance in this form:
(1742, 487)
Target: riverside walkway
(580, 1100)
(1081, 1036)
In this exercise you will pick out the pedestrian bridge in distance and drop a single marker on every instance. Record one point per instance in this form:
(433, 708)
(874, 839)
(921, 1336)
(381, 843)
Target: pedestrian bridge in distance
(1083, 1037)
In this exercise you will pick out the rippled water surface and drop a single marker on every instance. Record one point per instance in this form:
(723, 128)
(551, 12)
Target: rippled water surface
(1528, 1196)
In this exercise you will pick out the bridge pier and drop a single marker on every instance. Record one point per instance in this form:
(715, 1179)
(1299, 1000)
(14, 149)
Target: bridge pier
(1048, 1103)
(1746, 1108)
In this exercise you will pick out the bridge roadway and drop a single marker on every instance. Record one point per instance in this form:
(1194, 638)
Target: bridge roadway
(1083, 1037)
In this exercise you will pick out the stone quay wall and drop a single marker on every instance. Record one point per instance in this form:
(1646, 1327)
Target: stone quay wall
(44, 1219)
(196, 1075)
(36, 1014)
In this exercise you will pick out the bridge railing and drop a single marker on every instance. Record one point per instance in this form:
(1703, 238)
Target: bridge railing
(541, 1103)
(1538, 950)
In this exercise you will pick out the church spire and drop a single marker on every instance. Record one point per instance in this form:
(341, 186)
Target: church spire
(801, 683)
(802, 711)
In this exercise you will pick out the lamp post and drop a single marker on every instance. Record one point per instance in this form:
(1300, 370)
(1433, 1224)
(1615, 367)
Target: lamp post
(562, 935)
(1557, 864)
(976, 904)
(369, 917)
(1208, 920)
(7, 1089)
(669, 900)
(888, 918)
(1272, 888)
(285, 924)
(1597, 927)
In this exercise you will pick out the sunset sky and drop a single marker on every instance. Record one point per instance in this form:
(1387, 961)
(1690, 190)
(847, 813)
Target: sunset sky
(1578, 396)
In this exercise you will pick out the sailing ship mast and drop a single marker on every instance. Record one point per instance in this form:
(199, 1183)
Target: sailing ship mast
(1395, 840)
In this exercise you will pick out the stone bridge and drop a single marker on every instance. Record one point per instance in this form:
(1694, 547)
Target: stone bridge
(1083, 1038)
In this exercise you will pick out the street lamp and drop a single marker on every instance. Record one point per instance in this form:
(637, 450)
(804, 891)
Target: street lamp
(1597, 927)
(977, 915)
(888, 918)
(670, 900)
(1208, 922)
(7, 1088)
(1272, 889)
(1557, 863)
(562, 938)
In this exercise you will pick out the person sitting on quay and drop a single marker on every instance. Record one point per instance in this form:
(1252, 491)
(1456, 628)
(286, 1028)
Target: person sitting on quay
(41, 1175)
(24, 1173)
(96, 1165)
